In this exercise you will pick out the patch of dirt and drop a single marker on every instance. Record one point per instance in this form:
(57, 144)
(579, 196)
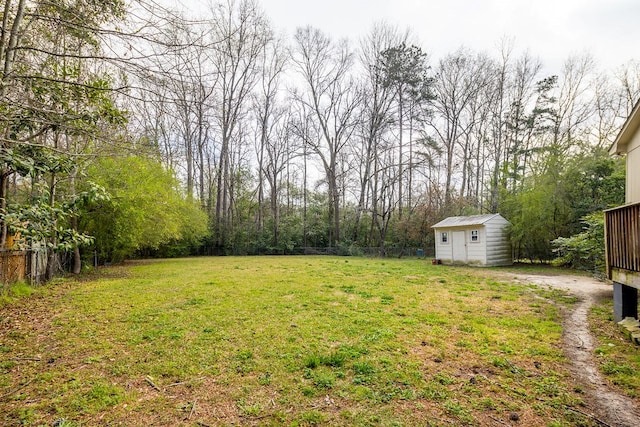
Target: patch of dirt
(605, 403)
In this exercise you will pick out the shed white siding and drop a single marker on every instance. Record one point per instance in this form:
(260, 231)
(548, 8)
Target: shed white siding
(477, 249)
(498, 244)
(443, 249)
(491, 248)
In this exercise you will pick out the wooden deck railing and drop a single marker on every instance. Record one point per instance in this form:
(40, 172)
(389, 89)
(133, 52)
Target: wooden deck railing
(622, 238)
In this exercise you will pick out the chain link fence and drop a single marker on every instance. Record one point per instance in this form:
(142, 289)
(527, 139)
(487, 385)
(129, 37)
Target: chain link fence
(383, 252)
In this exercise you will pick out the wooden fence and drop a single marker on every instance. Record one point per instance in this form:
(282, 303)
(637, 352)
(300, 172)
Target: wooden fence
(18, 266)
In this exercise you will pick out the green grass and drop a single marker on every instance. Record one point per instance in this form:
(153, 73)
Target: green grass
(617, 357)
(284, 341)
(12, 293)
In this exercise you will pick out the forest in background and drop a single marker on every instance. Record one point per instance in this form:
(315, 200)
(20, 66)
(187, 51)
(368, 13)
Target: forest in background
(128, 129)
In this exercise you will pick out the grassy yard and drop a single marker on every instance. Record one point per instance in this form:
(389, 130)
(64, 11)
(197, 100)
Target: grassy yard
(618, 359)
(286, 341)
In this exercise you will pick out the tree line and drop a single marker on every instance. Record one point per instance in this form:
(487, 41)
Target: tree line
(132, 129)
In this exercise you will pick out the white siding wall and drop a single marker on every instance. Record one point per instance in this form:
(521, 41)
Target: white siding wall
(498, 246)
(633, 170)
(477, 251)
(443, 250)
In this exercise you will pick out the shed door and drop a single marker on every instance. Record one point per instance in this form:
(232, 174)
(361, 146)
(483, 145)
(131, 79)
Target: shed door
(459, 246)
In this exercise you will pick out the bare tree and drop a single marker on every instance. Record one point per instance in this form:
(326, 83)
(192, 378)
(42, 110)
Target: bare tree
(270, 129)
(243, 33)
(574, 102)
(628, 76)
(404, 69)
(458, 83)
(518, 124)
(376, 113)
(609, 107)
(332, 96)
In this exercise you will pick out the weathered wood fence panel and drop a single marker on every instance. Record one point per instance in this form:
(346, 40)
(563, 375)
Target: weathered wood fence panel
(18, 266)
(13, 266)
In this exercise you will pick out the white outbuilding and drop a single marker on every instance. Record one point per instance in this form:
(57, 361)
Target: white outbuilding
(475, 240)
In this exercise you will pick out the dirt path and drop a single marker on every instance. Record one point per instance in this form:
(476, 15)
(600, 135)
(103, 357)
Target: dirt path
(605, 404)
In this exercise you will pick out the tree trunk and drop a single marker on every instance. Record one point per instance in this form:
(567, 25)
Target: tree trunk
(77, 260)
(400, 171)
(221, 193)
(52, 256)
(4, 182)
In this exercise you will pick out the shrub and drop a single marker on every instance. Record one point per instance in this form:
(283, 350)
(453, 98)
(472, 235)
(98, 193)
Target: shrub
(584, 250)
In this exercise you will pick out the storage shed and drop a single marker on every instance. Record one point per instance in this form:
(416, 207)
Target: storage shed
(476, 240)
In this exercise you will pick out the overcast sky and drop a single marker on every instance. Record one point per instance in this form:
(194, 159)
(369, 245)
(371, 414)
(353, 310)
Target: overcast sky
(550, 29)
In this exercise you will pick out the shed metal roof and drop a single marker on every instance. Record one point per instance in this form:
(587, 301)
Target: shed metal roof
(463, 221)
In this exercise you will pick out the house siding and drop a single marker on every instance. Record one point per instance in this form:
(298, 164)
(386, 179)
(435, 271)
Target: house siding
(633, 173)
